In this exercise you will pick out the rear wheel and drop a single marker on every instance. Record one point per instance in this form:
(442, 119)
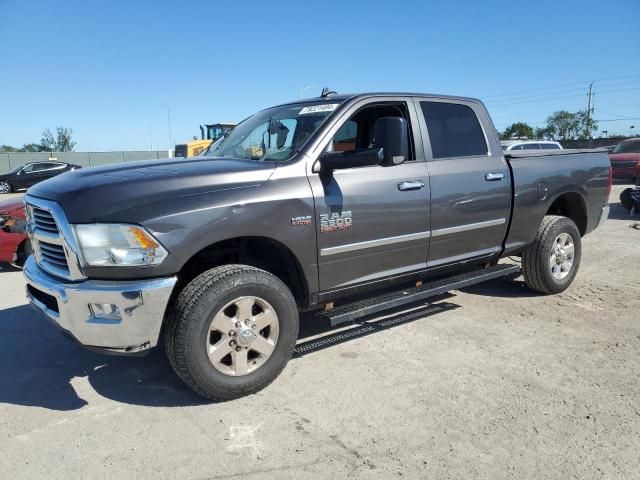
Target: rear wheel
(5, 187)
(551, 262)
(231, 331)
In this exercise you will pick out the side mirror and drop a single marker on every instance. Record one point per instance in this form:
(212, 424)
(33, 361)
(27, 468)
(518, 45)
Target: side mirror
(362, 157)
(391, 134)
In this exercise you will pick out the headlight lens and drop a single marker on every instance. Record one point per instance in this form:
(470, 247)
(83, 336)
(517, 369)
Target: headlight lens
(106, 245)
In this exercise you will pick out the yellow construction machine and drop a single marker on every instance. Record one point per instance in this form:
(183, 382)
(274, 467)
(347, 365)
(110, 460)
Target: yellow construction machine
(208, 135)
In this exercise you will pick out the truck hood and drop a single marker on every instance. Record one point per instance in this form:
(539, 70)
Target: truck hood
(96, 193)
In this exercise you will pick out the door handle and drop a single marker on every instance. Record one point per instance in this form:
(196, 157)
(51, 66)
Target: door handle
(410, 185)
(493, 176)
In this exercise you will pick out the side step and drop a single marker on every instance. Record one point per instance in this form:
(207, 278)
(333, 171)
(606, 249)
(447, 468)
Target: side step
(386, 301)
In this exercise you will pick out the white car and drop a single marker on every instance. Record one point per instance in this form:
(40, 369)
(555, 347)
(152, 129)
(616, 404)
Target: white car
(530, 145)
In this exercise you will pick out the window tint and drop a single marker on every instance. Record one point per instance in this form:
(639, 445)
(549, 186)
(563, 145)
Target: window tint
(359, 131)
(549, 146)
(454, 130)
(345, 138)
(530, 146)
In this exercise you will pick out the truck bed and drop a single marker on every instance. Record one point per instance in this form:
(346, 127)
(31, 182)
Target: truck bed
(540, 181)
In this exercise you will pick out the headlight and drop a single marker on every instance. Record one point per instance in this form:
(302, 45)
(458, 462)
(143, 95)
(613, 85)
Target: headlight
(106, 245)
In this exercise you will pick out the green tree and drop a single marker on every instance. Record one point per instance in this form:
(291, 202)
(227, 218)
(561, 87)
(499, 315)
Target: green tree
(34, 147)
(62, 142)
(541, 133)
(517, 130)
(8, 148)
(563, 125)
(587, 125)
(570, 126)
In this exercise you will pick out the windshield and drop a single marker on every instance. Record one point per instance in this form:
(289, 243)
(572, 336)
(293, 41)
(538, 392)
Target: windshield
(274, 134)
(628, 147)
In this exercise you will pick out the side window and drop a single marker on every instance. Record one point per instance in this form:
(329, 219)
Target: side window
(359, 131)
(549, 146)
(28, 168)
(531, 146)
(345, 138)
(454, 130)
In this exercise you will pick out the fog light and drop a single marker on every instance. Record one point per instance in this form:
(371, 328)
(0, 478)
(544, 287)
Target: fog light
(105, 310)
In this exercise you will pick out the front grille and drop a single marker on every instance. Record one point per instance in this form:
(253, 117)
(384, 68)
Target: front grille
(43, 220)
(53, 255)
(52, 239)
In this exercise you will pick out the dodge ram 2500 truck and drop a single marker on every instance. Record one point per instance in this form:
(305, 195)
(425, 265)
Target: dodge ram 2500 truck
(362, 202)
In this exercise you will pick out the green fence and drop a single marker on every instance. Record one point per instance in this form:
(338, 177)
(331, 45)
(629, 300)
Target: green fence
(11, 161)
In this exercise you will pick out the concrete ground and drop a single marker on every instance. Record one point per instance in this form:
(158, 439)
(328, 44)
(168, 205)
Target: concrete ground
(499, 383)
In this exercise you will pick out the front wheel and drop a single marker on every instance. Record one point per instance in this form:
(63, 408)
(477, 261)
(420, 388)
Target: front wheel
(551, 262)
(231, 331)
(5, 187)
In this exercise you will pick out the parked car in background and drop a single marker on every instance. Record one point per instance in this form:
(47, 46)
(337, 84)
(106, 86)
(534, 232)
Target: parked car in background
(625, 161)
(530, 145)
(15, 246)
(27, 175)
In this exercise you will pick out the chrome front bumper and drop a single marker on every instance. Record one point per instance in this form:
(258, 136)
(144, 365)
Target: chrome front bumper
(133, 328)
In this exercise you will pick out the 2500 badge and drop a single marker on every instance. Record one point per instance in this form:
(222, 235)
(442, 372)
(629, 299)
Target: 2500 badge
(335, 221)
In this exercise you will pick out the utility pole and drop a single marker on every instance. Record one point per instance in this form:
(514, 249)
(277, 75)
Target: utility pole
(590, 97)
(589, 112)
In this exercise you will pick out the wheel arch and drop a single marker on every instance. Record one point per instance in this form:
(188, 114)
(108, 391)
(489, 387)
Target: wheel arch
(570, 204)
(256, 251)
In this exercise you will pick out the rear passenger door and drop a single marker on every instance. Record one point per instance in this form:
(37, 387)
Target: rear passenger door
(469, 182)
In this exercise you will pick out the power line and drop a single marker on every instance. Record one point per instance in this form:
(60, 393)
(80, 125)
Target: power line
(555, 96)
(585, 82)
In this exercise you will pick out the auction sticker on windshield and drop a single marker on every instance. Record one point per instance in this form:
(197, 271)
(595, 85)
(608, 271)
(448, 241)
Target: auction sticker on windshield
(327, 107)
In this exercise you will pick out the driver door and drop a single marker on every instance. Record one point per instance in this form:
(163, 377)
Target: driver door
(371, 222)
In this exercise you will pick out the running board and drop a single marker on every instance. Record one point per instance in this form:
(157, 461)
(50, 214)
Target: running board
(386, 301)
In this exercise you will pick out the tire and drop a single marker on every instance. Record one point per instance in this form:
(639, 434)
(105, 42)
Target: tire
(625, 199)
(546, 270)
(5, 187)
(219, 296)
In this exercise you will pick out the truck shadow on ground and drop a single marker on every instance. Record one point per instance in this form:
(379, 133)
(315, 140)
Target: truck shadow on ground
(40, 364)
(503, 288)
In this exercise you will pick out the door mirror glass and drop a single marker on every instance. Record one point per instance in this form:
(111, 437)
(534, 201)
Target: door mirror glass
(391, 134)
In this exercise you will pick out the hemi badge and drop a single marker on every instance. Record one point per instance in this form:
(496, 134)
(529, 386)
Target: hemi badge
(302, 220)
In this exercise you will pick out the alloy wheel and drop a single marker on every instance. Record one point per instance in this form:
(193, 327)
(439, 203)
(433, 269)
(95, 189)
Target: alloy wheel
(242, 336)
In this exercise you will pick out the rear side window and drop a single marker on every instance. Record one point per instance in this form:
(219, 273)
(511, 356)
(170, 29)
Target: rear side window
(549, 146)
(454, 130)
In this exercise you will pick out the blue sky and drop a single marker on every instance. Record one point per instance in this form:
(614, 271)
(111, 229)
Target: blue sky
(108, 69)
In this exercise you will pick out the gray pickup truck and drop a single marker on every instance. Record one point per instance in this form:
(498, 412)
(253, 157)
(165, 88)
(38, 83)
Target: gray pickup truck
(347, 205)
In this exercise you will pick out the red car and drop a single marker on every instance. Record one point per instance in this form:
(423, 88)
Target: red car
(14, 244)
(625, 160)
